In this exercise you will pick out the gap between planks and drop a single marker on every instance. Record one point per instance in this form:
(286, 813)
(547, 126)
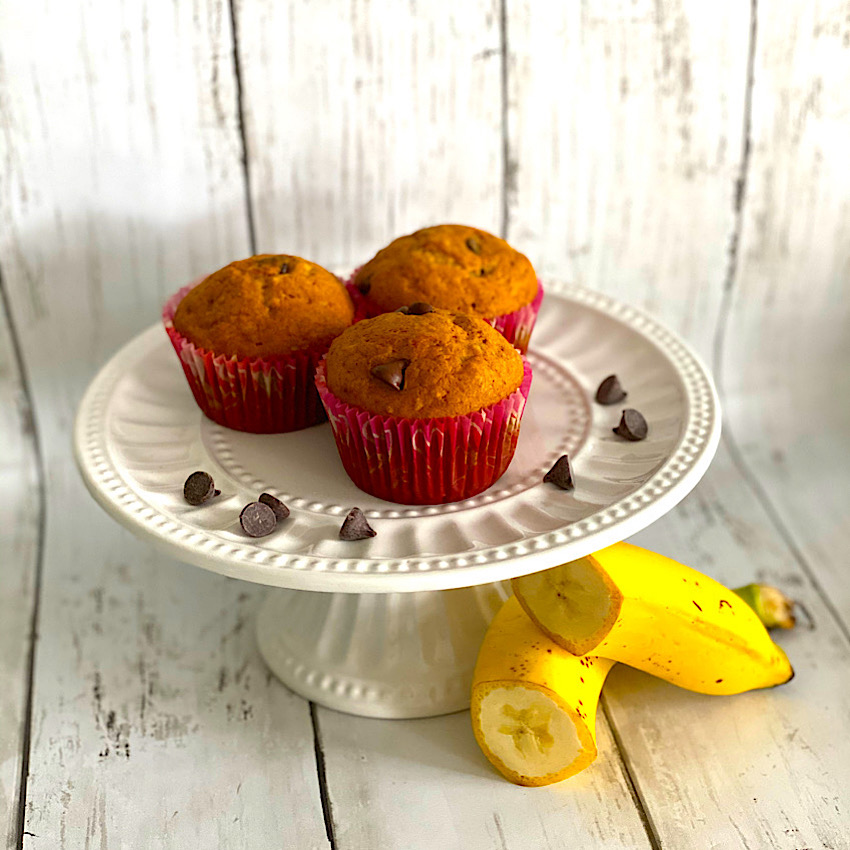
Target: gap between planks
(32, 436)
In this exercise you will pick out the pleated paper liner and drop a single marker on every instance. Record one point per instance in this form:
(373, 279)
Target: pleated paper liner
(261, 395)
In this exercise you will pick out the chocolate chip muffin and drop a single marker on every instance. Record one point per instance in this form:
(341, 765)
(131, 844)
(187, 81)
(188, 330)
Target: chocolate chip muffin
(454, 267)
(425, 404)
(249, 337)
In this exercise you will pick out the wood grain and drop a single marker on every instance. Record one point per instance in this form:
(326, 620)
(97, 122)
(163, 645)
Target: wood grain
(420, 784)
(20, 526)
(787, 335)
(368, 120)
(625, 125)
(155, 724)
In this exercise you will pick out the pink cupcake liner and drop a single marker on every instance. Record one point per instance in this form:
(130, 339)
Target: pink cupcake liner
(425, 461)
(262, 395)
(515, 327)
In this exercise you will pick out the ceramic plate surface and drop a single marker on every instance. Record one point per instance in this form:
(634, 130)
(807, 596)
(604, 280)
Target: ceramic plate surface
(139, 435)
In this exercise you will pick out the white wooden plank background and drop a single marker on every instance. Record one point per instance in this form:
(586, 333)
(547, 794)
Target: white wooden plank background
(686, 157)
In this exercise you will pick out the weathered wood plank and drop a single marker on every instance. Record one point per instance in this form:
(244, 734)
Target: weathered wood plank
(787, 339)
(424, 783)
(155, 723)
(626, 126)
(767, 769)
(368, 120)
(20, 519)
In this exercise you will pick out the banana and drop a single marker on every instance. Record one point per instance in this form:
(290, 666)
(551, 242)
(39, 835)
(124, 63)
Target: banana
(533, 703)
(774, 608)
(628, 604)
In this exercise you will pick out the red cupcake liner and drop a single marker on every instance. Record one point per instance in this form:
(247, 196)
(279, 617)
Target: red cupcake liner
(515, 327)
(425, 461)
(262, 395)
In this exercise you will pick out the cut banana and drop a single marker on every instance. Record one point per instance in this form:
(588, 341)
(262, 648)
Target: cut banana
(534, 704)
(631, 605)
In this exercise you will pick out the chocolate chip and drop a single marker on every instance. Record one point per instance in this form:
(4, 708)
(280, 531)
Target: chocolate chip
(610, 391)
(405, 310)
(199, 488)
(364, 284)
(280, 510)
(474, 245)
(419, 308)
(284, 268)
(391, 373)
(257, 519)
(355, 526)
(560, 474)
(632, 426)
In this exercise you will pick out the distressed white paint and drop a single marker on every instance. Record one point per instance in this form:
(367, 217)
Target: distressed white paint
(626, 124)
(121, 178)
(155, 724)
(367, 120)
(787, 341)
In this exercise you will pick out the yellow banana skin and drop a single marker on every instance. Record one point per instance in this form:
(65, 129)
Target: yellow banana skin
(517, 659)
(650, 612)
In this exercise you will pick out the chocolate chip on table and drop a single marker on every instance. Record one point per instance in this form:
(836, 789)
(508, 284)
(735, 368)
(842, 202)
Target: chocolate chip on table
(364, 285)
(419, 308)
(474, 245)
(610, 391)
(281, 511)
(355, 526)
(560, 474)
(392, 373)
(199, 488)
(257, 519)
(632, 426)
(284, 268)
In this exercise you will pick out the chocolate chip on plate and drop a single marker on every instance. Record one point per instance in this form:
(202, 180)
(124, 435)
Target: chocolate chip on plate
(281, 511)
(257, 519)
(632, 425)
(419, 308)
(392, 373)
(474, 245)
(560, 474)
(355, 526)
(199, 488)
(610, 391)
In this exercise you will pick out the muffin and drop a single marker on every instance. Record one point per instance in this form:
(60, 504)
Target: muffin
(425, 405)
(249, 338)
(454, 267)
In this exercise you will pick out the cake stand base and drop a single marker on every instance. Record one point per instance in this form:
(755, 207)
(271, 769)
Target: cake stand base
(389, 655)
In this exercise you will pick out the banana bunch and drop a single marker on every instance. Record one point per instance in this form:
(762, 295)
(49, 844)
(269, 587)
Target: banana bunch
(546, 654)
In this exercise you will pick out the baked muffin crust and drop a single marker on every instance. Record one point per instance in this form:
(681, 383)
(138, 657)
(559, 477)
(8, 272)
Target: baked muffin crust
(446, 363)
(265, 306)
(451, 266)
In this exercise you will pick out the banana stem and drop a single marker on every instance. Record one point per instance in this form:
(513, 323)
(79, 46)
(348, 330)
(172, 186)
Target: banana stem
(774, 608)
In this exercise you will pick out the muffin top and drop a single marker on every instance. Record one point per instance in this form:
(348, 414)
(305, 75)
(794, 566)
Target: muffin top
(453, 267)
(265, 306)
(423, 364)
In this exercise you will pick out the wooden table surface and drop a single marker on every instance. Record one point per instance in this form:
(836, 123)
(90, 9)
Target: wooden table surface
(690, 158)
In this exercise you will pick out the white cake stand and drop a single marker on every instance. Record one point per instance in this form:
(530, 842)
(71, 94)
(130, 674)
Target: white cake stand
(390, 627)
